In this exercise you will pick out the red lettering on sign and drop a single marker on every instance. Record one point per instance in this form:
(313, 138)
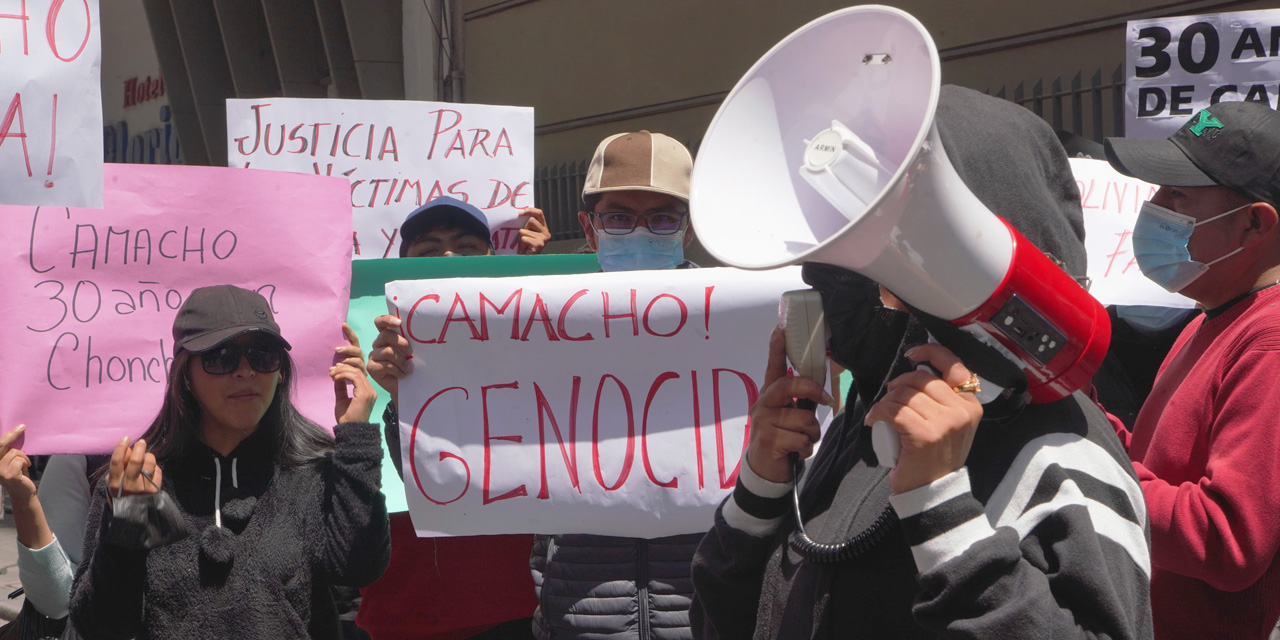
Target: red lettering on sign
(628, 458)
(444, 455)
(729, 480)
(570, 455)
(644, 431)
(484, 402)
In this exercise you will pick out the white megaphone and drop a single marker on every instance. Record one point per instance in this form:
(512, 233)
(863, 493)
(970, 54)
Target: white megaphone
(826, 151)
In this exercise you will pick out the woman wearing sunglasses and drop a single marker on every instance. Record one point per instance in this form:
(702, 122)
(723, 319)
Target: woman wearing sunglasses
(234, 515)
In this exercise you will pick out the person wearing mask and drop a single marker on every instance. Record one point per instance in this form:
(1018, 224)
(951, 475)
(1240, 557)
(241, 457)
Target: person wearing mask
(233, 514)
(999, 520)
(1205, 442)
(459, 587)
(635, 216)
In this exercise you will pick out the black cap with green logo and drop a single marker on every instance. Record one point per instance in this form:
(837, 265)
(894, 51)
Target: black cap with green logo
(1230, 144)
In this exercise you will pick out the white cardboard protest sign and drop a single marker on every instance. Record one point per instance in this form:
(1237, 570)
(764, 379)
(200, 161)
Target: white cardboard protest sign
(608, 403)
(1111, 202)
(1177, 66)
(50, 103)
(398, 154)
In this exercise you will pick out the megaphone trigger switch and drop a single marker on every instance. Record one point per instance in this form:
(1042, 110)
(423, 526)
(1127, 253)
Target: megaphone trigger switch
(885, 443)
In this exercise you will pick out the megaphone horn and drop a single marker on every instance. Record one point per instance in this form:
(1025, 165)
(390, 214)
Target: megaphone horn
(826, 151)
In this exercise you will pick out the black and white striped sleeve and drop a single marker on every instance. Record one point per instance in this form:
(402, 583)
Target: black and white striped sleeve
(1060, 547)
(756, 505)
(728, 569)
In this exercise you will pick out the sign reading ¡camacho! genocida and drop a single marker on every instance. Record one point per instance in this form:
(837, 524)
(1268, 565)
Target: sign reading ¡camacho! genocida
(607, 403)
(89, 295)
(397, 155)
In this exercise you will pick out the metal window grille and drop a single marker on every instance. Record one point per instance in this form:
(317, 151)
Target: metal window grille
(1092, 108)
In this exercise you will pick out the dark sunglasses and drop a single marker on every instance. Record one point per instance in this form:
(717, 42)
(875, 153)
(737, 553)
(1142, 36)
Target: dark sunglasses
(226, 359)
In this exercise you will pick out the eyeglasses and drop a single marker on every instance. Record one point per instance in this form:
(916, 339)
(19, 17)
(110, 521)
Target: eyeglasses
(226, 359)
(620, 223)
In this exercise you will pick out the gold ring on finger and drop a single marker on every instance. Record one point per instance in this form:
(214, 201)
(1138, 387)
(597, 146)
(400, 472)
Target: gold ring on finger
(970, 386)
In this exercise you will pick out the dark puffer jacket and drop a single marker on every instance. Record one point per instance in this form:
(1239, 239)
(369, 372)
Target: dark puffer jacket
(289, 534)
(597, 587)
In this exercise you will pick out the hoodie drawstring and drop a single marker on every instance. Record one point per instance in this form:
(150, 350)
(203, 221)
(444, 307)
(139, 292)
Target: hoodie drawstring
(217, 492)
(217, 487)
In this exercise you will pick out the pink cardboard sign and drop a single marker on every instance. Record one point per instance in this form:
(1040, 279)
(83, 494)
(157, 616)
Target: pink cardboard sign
(90, 295)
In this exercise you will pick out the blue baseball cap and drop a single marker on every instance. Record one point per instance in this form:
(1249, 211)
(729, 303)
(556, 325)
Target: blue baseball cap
(443, 212)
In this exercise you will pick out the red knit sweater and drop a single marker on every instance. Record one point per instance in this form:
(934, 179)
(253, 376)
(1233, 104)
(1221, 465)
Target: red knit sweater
(1206, 448)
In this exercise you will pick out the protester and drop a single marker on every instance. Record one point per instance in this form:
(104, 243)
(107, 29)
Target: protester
(45, 569)
(233, 512)
(998, 521)
(636, 216)
(1205, 443)
(445, 588)
(450, 227)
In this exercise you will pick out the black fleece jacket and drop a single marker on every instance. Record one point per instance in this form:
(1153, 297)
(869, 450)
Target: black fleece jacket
(288, 535)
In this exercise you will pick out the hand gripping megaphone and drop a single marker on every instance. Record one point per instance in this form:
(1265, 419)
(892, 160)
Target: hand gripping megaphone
(826, 151)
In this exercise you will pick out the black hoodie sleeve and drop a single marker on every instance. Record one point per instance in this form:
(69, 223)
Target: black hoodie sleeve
(728, 569)
(106, 599)
(357, 534)
(391, 429)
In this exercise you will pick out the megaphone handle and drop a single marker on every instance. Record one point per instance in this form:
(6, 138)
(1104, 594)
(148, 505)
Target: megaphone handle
(884, 441)
(884, 438)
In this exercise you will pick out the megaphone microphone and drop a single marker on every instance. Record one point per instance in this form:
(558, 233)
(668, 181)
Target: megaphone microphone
(826, 151)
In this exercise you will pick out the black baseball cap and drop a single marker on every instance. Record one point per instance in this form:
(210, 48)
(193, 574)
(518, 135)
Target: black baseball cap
(212, 315)
(443, 212)
(1230, 144)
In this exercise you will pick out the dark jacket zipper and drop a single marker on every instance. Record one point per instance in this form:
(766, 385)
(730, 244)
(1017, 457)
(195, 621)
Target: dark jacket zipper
(642, 586)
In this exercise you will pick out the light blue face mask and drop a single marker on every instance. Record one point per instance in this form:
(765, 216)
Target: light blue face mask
(639, 250)
(1151, 320)
(1160, 240)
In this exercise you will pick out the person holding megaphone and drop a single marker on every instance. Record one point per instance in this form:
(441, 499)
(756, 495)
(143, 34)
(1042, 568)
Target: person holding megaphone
(1001, 519)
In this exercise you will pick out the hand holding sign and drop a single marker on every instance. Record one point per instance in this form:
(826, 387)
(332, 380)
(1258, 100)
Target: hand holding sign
(534, 234)
(133, 470)
(391, 357)
(13, 468)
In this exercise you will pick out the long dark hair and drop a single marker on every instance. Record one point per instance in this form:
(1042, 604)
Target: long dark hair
(172, 433)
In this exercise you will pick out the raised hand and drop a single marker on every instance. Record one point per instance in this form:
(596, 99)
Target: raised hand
(392, 355)
(935, 417)
(534, 235)
(133, 470)
(778, 427)
(350, 369)
(13, 467)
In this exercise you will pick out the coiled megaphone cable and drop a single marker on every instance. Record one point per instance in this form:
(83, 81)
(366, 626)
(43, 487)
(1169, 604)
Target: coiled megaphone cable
(833, 553)
(824, 553)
